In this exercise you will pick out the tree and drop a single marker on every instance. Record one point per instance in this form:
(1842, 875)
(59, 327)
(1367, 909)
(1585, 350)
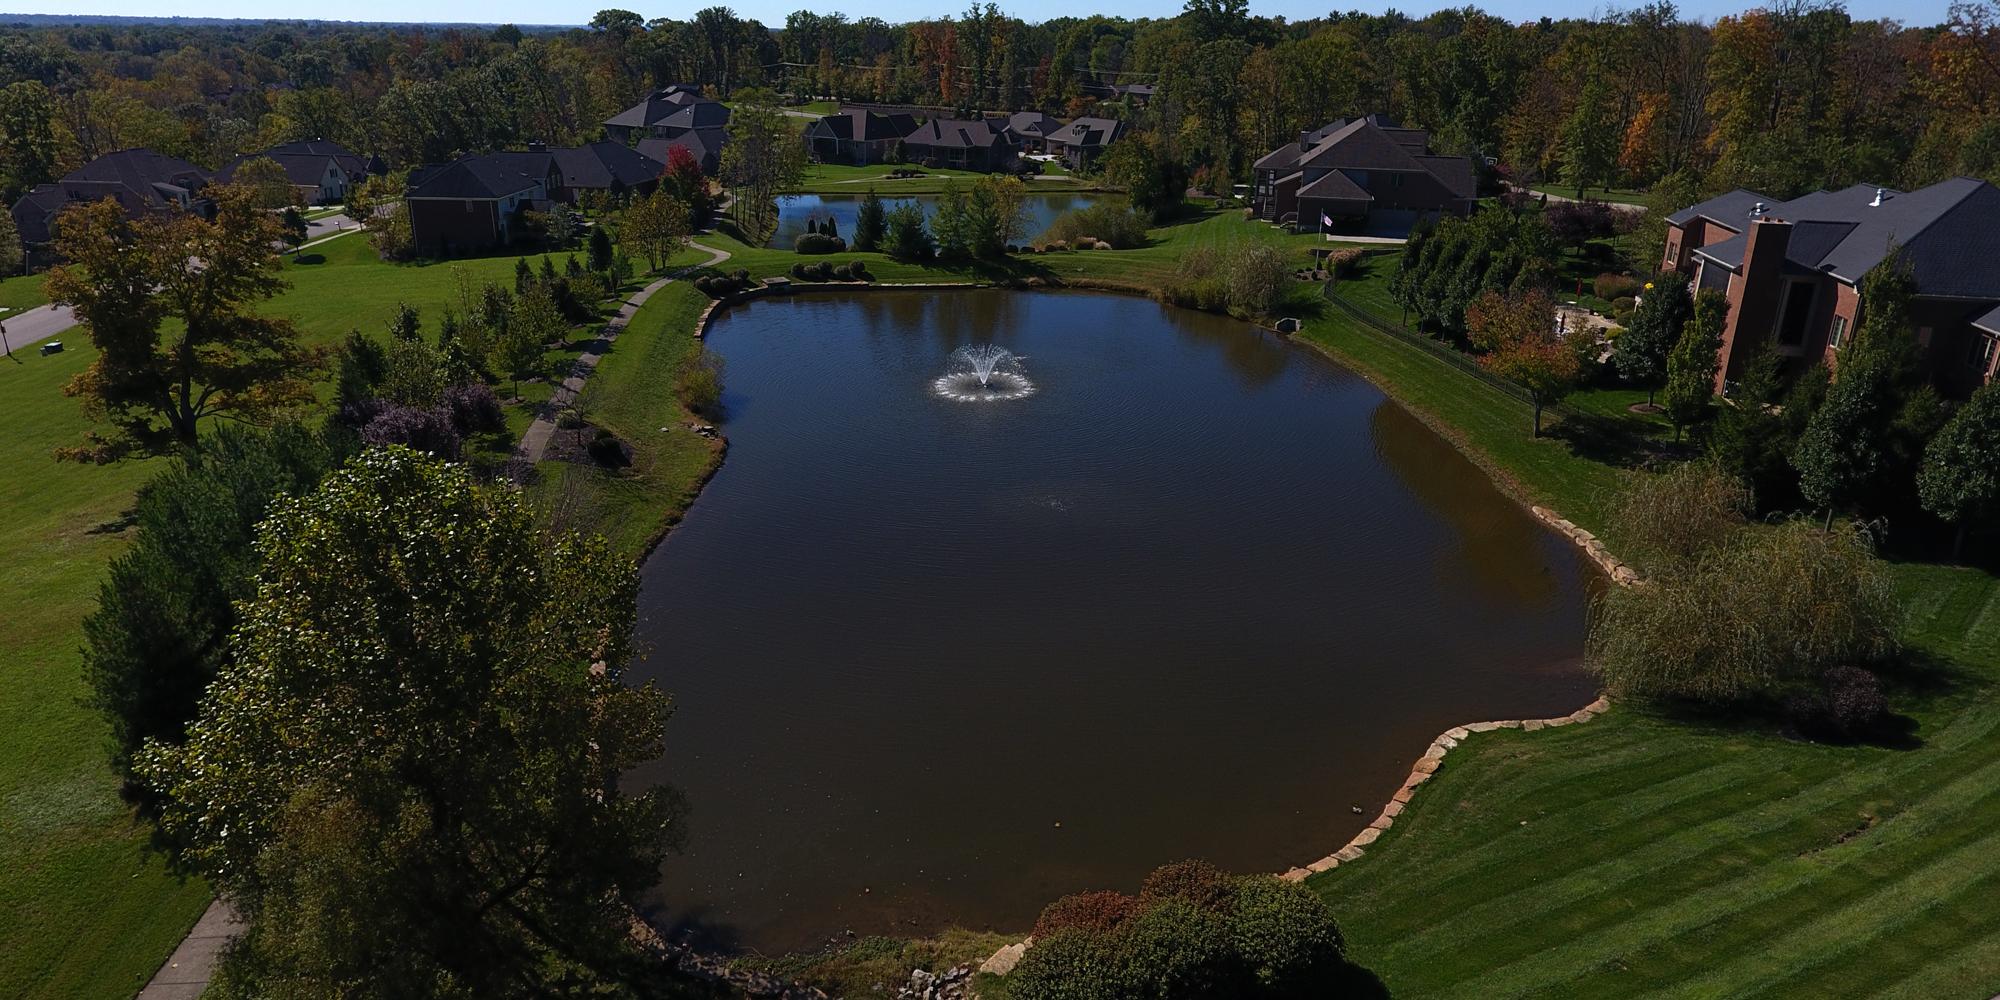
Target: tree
(1640, 353)
(951, 225)
(1589, 138)
(996, 214)
(410, 772)
(685, 181)
(908, 239)
(1844, 451)
(12, 256)
(1696, 355)
(153, 382)
(871, 224)
(658, 225)
(1518, 334)
(600, 250)
(28, 146)
(160, 633)
(294, 223)
(535, 323)
(1960, 479)
(266, 182)
(766, 154)
(1154, 181)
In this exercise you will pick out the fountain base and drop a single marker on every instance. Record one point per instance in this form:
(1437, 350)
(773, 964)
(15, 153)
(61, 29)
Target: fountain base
(966, 387)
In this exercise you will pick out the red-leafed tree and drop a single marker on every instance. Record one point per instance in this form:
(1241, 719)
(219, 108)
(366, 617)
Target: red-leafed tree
(688, 185)
(1518, 334)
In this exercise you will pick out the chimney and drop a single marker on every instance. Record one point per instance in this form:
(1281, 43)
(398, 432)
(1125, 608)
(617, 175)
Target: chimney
(1755, 294)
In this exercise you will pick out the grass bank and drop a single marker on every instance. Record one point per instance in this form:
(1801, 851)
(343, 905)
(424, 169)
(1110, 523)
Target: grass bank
(841, 178)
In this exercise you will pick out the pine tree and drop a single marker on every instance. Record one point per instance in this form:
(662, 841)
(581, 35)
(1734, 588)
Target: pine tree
(871, 224)
(1640, 352)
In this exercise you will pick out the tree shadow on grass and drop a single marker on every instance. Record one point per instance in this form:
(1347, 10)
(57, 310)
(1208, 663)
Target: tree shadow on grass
(1615, 441)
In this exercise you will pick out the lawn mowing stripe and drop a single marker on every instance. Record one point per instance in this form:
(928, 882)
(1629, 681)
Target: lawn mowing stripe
(1824, 938)
(1644, 820)
(1908, 949)
(1548, 968)
(1970, 971)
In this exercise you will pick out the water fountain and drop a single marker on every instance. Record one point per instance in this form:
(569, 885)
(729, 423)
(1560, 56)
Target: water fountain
(983, 373)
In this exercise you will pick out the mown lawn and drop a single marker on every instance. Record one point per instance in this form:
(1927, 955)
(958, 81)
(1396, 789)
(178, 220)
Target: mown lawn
(842, 178)
(1659, 855)
(1629, 196)
(22, 291)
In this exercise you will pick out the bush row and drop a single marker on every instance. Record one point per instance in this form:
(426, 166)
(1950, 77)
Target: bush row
(822, 271)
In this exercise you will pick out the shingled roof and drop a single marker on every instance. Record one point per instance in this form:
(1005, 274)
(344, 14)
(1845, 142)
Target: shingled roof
(604, 165)
(1732, 209)
(974, 133)
(1949, 233)
(679, 106)
(139, 178)
(484, 176)
(1089, 132)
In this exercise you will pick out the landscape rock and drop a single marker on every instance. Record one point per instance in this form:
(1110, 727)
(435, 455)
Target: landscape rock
(1003, 961)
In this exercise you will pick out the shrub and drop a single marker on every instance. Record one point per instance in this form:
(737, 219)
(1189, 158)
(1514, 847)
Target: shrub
(1256, 278)
(799, 271)
(473, 408)
(1341, 263)
(423, 428)
(1177, 949)
(860, 269)
(1286, 937)
(1116, 225)
(742, 276)
(701, 383)
(841, 272)
(1748, 621)
(1099, 911)
(605, 449)
(1678, 515)
(1069, 965)
(1611, 287)
(819, 243)
(1621, 308)
(1192, 881)
(1854, 701)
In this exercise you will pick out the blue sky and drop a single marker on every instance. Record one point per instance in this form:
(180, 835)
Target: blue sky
(773, 12)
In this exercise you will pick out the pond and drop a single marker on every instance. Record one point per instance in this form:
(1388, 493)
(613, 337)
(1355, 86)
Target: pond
(1196, 595)
(794, 211)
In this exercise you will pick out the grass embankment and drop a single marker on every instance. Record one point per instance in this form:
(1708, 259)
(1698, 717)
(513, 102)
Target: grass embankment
(841, 178)
(1616, 195)
(1642, 853)
(85, 912)
(23, 291)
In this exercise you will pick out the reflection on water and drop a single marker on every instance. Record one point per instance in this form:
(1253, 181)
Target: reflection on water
(795, 211)
(938, 663)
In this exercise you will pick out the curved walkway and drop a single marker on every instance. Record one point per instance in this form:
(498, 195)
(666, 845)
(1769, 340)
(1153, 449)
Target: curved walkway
(186, 972)
(535, 442)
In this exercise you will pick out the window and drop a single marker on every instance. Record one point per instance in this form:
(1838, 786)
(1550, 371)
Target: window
(1983, 348)
(1839, 332)
(1796, 311)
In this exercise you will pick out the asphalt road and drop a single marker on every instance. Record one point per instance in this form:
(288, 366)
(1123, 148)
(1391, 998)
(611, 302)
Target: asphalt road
(32, 326)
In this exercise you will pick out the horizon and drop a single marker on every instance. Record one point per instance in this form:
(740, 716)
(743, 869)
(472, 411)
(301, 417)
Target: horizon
(772, 12)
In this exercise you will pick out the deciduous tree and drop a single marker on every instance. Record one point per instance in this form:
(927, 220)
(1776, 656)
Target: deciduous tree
(409, 777)
(166, 300)
(657, 225)
(1960, 479)
(1696, 355)
(1518, 335)
(766, 155)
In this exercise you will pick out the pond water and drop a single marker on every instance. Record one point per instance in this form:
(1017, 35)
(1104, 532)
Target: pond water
(794, 211)
(939, 662)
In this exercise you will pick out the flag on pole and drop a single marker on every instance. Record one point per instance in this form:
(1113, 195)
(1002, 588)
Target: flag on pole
(1325, 221)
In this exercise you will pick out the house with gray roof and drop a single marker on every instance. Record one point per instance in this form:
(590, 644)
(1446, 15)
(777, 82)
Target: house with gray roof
(141, 181)
(609, 167)
(1083, 140)
(964, 144)
(1032, 130)
(859, 136)
(475, 202)
(705, 145)
(1361, 175)
(665, 113)
(322, 171)
(1792, 272)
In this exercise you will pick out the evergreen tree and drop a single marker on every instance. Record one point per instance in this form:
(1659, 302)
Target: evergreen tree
(1696, 355)
(1640, 352)
(1845, 450)
(872, 224)
(600, 249)
(951, 223)
(1960, 479)
(908, 239)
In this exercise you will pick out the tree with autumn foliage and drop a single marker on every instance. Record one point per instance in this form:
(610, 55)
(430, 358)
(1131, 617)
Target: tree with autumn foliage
(688, 185)
(1517, 334)
(166, 301)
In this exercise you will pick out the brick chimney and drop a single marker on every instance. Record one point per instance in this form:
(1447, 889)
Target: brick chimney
(1755, 293)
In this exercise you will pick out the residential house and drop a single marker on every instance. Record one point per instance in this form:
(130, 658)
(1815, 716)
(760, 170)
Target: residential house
(671, 111)
(964, 144)
(1031, 131)
(858, 136)
(1792, 272)
(1361, 175)
(610, 167)
(322, 171)
(1083, 140)
(475, 202)
(705, 145)
(139, 180)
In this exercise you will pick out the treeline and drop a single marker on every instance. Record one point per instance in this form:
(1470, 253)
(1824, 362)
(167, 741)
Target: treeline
(1781, 98)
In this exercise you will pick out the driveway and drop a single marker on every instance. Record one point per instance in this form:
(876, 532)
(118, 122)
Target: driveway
(32, 326)
(319, 228)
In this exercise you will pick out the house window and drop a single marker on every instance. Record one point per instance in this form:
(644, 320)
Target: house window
(1797, 310)
(469, 203)
(1839, 333)
(1983, 347)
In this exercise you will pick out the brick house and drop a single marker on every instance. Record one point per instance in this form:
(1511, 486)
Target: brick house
(475, 202)
(1361, 175)
(1792, 272)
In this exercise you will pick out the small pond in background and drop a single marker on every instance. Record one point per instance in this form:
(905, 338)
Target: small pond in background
(939, 662)
(794, 211)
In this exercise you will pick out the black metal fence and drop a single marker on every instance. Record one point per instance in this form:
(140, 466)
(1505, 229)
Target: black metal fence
(1437, 349)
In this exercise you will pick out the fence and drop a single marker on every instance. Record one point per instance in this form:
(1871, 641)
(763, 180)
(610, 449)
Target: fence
(1442, 351)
